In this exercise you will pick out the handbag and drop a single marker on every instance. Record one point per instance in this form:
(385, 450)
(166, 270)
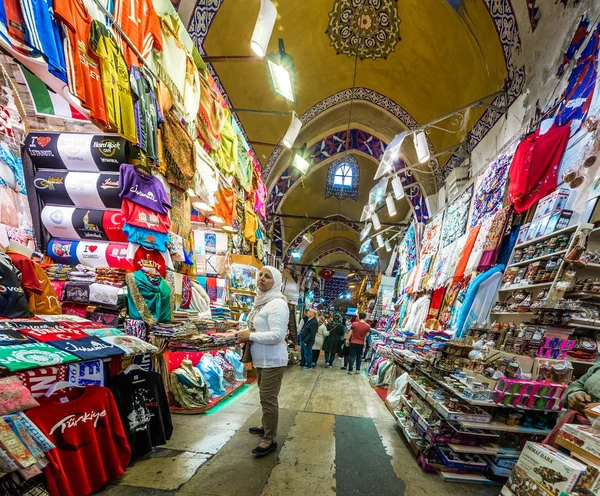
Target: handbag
(246, 353)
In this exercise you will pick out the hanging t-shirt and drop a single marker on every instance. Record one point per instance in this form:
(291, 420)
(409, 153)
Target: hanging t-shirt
(83, 68)
(141, 257)
(15, 27)
(38, 290)
(112, 224)
(32, 355)
(143, 189)
(150, 239)
(147, 113)
(43, 34)
(141, 25)
(91, 445)
(137, 215)
(87, 348)
(13, 302)
(142, 403)
(115, 81)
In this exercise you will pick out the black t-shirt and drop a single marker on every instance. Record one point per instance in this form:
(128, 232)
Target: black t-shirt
(13, 303)
(144, 410)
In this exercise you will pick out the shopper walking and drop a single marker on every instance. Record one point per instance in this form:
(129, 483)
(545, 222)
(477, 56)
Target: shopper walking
(267, 324)
(333, 342)
(309, 333)
(300, 327)
(356, 339)
(322, 333)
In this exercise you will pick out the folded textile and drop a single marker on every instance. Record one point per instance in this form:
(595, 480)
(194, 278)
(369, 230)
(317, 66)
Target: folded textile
(131, 345)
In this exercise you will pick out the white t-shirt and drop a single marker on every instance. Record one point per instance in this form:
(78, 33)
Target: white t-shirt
(269, 349)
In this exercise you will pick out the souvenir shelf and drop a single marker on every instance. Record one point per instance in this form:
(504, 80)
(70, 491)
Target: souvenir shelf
(242, 288)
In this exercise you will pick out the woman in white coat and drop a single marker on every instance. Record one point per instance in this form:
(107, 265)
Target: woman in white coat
(322, 333)
(267, 329)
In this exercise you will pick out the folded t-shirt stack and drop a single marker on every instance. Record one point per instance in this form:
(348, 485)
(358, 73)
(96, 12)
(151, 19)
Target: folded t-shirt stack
(220, 312)
(167, 330)
(112, 277)
(59, 272)
(82, 273)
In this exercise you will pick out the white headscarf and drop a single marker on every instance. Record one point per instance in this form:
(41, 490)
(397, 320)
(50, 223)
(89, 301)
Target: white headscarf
(264, 297)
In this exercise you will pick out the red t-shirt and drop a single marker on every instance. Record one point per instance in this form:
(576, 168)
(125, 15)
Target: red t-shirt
(91, 445)
(359, 332)
(137, 215)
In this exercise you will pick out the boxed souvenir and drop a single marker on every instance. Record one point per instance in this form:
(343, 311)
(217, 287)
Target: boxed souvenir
(541, 403)
(582, 440)
(564, 220)
(521, 484)
(589, 482)
(465, 461)
(552, 204)
(522, 236)
(593, 413)
(497, 469)
(450, 411)
(549, 467)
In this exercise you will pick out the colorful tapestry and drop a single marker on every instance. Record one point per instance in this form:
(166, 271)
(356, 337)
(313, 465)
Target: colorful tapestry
(431, 236)
(455, 220)
(577, 98)
(490, 190)
(407, 252)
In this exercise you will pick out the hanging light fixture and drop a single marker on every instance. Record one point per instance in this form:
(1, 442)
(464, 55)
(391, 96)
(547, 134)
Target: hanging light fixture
(375, 221)
(282, 73)
(366, 230)
(265, 22)
(202, 207)
(227, 229)
(299, 162)
(292, 132)
(391, 205)
(397, 188)
(420, 141)
(388, 246)
(216, 219)
(379, 239)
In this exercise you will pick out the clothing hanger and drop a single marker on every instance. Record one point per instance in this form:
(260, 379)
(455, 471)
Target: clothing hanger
(61, 385)
(133, 366)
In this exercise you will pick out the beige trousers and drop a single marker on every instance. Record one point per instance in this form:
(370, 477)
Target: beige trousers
(269, 384)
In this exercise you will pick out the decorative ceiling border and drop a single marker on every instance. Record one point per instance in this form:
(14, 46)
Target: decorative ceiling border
(313, 228)
(505, 20)
(333, 145)
(362, 94)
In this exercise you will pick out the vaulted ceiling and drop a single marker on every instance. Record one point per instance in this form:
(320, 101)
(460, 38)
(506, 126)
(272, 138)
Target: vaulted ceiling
(449, 53)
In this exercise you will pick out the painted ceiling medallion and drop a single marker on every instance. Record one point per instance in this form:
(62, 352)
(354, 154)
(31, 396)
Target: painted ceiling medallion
(370, 26)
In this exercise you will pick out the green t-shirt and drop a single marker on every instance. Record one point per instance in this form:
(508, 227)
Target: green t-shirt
(32, 355)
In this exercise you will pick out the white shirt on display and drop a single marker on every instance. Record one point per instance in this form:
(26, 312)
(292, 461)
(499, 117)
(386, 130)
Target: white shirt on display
(269, 348)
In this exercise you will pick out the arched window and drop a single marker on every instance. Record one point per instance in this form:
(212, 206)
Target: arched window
(342, 178)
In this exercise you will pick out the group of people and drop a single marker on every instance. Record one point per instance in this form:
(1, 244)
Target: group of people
(330, 334)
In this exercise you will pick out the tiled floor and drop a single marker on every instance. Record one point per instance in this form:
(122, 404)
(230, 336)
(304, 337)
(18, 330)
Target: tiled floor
(209, 455)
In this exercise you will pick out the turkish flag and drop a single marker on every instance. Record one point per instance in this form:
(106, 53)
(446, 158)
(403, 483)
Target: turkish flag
(326, 274)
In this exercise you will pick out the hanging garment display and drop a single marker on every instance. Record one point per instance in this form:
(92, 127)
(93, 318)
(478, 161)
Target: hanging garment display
(152, 240)
(225, 206)
(90, 373)
(181, 164)
(147, 113)
(87, 432)
(489, 192)
(144, 409)
(465, 254)
(79, 189)
(492, 245)
(417, 314)
(13, 302)
(455, 219)
(534, 169)
(431, 236)
(142, 257)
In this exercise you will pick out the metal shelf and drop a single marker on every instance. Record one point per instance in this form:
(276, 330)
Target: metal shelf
(548, 236)
(527, 286)
(502, 427)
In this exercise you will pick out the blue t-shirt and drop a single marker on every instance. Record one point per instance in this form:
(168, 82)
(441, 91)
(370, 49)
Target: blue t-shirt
(152, 240)
(42, 30)
(87, 348)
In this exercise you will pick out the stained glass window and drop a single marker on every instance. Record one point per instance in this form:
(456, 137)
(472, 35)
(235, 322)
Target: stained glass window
(343, 178)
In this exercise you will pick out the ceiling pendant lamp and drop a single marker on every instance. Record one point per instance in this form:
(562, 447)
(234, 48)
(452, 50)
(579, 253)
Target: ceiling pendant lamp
(375, 221)
(397, 188)
(265, 22)
(202, 206)
(420, 141)
(282, 73)
(228, 229)
(299, 162)
(292, 132)
(391, 205)
(379, 239)
(388, 246)
(366, 230)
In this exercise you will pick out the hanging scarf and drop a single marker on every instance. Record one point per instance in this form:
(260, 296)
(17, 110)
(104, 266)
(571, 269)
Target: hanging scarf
(152, 303)
(264, 297)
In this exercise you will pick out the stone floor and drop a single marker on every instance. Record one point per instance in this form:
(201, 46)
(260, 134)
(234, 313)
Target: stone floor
(335, 437)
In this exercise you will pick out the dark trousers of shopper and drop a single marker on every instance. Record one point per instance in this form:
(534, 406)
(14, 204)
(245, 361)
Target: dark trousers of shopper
(315, 356)
(346, 355)
(329, 358)
(307, 355)
(301, 343)
(269, 384)
(356, 353)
